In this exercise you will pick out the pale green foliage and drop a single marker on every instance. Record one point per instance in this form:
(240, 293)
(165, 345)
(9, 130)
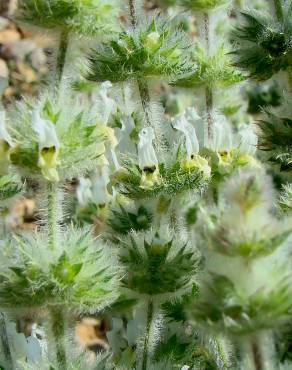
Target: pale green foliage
(78, 274)
(78, 361)
(204, 5)
(249, 282)
(274, 131)
(10, 186)
(215, 70)
(173, 180)
(264, 43)
(87, 17)
(81, 141)
(224, 307)
(285, 200)
(156, 49)
(189, 245)
(254, 232)
(158, 263)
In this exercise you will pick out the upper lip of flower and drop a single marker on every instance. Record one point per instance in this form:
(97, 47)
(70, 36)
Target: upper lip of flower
(181, 123)
(46, 132)
(146, 152)
(4, 135)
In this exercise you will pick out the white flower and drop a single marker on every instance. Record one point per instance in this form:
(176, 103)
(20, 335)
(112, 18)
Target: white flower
(181, 123)
(4, 135)
(49, 145)
(107, 104)
(248, 140)
(186, 124)
(148, 161)
(194, 119)
(5, 145)
(83, 192)
(146, 152)
(126, 143)
(222, 135)
(100, 180)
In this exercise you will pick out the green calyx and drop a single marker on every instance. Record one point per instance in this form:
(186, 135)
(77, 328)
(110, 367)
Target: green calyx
(213, 71)
(78, 144)
(56, 277)
(171, 180)
(123, 221)
(10, 185)
(156, 266)
(264, 45)
(157, 49)
(83, 17)
(222, 307)
(275, 137)
(204, 5)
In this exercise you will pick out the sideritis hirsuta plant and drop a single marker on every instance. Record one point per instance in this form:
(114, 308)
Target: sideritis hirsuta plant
(166, 223)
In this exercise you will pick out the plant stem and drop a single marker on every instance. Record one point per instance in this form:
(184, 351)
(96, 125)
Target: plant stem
(278, 10)
(222, 352)
(3, 327)
(208, 89)
(61, 58)
(142, 83)
(150, 311)
(257, 352)
(5, 342)
(58, 332)
(52, 194)
(209, 109)
(145, 99)
(133, 13)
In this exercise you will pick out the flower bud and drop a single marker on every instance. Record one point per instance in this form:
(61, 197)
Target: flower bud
(152, 41)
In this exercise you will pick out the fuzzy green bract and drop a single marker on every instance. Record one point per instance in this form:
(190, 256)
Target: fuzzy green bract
(81, 142)
(222, 307)
(173, 179)
(76, 274)
(156, 49)
(123, 221)
(245, 250)
(10, 186)
(204, 5)
(214, 71)
(285, 199)
(264, 44)
(275, 133)
(157, 266)
(87, 17)
(247, 198)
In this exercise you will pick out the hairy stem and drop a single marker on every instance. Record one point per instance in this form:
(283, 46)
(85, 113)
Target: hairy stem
(209, 109)
(150, 312)
(5, 343)
(257, 352)
(207, 31)
(61, 58)
(133, 17)
(208, 89)
(145, 99)
(142, 83)
(58, 332)
(222, 352)
(53, 222)
(278, 10)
